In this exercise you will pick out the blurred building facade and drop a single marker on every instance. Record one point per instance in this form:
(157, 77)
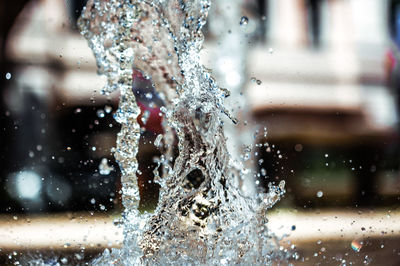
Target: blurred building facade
(323, 91)
(326, 98)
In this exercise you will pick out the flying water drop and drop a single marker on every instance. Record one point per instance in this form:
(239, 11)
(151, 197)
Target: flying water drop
(244, 21)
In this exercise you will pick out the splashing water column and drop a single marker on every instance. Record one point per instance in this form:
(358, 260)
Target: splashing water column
(229, 66)
(202, 216)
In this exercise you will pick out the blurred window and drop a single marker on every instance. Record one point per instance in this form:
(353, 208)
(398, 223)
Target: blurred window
(313, 9)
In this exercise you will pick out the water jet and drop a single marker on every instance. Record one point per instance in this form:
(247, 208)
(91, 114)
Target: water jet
(203, 216)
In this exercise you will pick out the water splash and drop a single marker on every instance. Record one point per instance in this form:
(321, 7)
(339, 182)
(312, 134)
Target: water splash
(230, 45)
(202, 216)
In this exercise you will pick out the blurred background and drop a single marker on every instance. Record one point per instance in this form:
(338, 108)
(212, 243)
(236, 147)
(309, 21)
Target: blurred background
(322, 76)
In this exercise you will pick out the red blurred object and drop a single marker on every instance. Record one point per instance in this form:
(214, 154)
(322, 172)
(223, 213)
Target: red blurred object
(143, 86)
(154, 121)
(390, 63)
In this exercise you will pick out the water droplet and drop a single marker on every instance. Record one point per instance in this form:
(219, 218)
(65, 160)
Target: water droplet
(271, 50)
(157, 141)
(356, 245)
(320, 194)
(244, 20)
(255, 80)
(263, 172)
(104, 168)
(145, 117)
(367, 260)
(298, 147)
(100, 113)
(107, 109)
(8, 75)
(92, 201)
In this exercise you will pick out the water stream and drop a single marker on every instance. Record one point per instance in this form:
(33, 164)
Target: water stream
(202, 216)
